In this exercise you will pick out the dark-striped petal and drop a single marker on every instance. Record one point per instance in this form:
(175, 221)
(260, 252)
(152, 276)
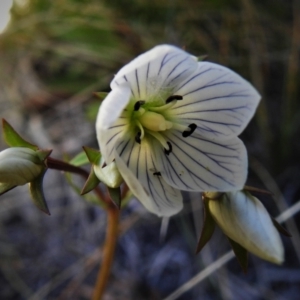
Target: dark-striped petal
(112, 123)
(156, 72)
(112, 106)
(200, 164)
(139, 169)
(217, 100)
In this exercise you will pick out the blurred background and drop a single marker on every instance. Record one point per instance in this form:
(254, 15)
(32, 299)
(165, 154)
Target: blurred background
(53, 56)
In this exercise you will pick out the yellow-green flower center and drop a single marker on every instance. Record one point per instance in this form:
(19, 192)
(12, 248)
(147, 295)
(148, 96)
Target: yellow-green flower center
(153, 121)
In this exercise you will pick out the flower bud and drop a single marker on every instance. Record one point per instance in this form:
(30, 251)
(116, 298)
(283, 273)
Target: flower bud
(19, 165)
(244, 219)
(109, 174)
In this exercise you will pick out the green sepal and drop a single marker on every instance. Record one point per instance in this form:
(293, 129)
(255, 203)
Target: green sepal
(90, 183)
(80, 159)
(202, 57)
(101, 95)
(43, 153)
(13, 139)
(241, 254)
(37, 193)
(5, 187)
(91, 198)
(93, 155)
(115, 196)
(208, 227)
(280, 228)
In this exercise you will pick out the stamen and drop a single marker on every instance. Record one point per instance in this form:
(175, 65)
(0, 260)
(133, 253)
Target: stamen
(174, 97)
(163, 107)
(138, 137)
(160, 138)
(168, 151)
(138, 104)
(142, 131)
(157, 174)
(192, 127)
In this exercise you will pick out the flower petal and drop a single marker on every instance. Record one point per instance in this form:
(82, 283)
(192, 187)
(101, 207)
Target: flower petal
(138, 167)
(155, 71)
(108, 138)
(112, 106)
(217, 100)
(112, 123)
(199, 164)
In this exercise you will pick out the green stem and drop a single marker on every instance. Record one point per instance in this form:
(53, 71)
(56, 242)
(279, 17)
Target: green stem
(56, 164)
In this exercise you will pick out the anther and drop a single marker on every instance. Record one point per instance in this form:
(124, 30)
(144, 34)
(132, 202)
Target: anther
(168, 151)
(138, 137)
(157, 174)
(187, 133)
(138, 104)
(174, 97)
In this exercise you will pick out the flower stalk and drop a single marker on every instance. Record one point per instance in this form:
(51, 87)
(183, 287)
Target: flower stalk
(113, 214)
(112, 229)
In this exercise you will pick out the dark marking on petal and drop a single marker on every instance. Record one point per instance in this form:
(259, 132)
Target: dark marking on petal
(157, 173)
(137, 81)
(192, 127)
(138, 104)
(168, 151)
(138, 137)
(174, 97)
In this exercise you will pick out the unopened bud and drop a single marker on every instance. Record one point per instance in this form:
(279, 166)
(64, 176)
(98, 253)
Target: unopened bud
(19, 165)
(108, 174)
(244, 219)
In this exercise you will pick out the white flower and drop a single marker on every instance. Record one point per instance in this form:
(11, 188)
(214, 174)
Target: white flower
(19, 165)
(171, 123)
(244, 219)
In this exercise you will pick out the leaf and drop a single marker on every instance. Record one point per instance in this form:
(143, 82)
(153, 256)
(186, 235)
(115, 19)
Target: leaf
(5, 187)
(80, 159)
(280, 228)
(13, 139)
(37, 193)
(91, 182)
(115, 196)
(241, 254)
(93, 155)
(208, 227)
